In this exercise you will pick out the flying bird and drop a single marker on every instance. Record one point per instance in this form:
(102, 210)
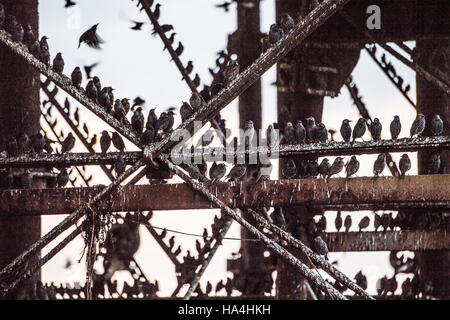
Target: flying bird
(137, 25)
(88, 69)
(91, 38)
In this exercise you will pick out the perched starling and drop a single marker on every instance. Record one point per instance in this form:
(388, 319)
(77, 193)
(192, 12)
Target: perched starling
(437, 125)
(171, 40)
(77, 77)
(379, 164)
(434, 164)
(310, 129)
(25, 145)
(346, 130)
(312, 168)
(363, 223)
(179, 50)
(185, 111)
(97, 83)
(28, 36)
(58, 63)
(126, 105)
(290, 170)
(322, 224)
(119, 166)
(63, 178)
(324, 168)
(321, 247)
(336, 167)
(377, 222)
(275, 33)
(91, 90)
(300, 132)
(216, 172)
(12, 147)
(105, 141)
(104, 99)
(178, 251)
(375, 129)
(137, 120)
(231, 71)
(148, 136)
(189, 67)
(361, 280)
(404, 164)
(35, 49)
(157, 11)
(68, 143)
(338, 221)
(418, 125)
(278, 219)
(44, 55)
(195, 101)
(287, 23)
(117, 141)
(271, 136)
(395, 128)
(237, 172)
(352, 166)
(166, 123)
(359, 129)
(39, 142)
(321, 132)
(289, 133)
(206, 93)
(91, 38)
(347, 223)
(192, 171)
(152, 119)
(18, 33)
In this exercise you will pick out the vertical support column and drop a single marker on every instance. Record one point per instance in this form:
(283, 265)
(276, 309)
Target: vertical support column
(433, 265)
(19, 113)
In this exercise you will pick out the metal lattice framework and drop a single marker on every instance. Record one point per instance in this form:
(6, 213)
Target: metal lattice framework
(90, 209)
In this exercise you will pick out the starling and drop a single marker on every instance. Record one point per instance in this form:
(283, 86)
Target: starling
(206, 93)
(171, 40)
(275, 33)
(148, 136)
(171, 242)
(347, 223)
(185, 111)
(290, 170)
(157, 11)
(44, 55)
(324, 167)
(278, 219)
(363, 223)
(97, 83)
(103, 99)
(137, 25)
(111, 95)
(178, 251)
(321, 132)
(28, 36)
(287, 23)
(58, 63)
(352, 166)
(300, 132)
(126, 105)
(396, 127)
(193, 173)
(12, 147)
(35, 49)
(321, 224)
(379, 164)
(435, 164)
(359, 129)
(377, 222)
(179, 49)
(76, 76)
(152, 119)
(119, 166)
(39, 142)
(63, 178)
(312, 168)
(361, 280)
(69, 3)
(375, 129)
(26, 179)
(338, 221)
(91, 90)
(224, 5)
(231, 71)
(437, 125)
(105, 141)
(346, 130)
(68, 143)
(195, 101)
(88, 69)
(321, 247)
(310, 129)
(404, 164)
(165, 121)
(418, 125)
(216, 172)
(336, 167)
(117, 141)
(25, 145)
(271, 136)
(189, 67)
(18, 33)
(237, 172)
(289, 133)
(91, 38)
(137, 120)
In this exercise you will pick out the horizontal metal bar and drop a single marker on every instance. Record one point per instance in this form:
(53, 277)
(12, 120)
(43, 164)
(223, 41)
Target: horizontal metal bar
(432, 189)
(387, 241)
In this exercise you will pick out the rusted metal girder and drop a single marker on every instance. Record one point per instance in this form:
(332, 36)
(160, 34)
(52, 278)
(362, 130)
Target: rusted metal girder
(387, 241)
(433, 189)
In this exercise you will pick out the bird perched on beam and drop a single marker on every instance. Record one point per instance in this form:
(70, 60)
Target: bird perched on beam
(68, 143)
(278, 219)
(321, 247)
(63, 178)
(352, 166)
(375, 129)
(437, 125)
(310, 129)
(379, 164)
(237, 172)
(395, 127)
(321, 132)
(231, 71)
(91, 38)
(336, 167)
(418, 126)
(346, 130)
(76, 77)
(118, 141)
(286, 22)
(404, 165)
(363, 223)
(347, 223)
(216, 172)
(338, 221)
(290, 170)
(324, 168)
(289, 133)
(185, 111)
(275, 33)
(58, 63)
(359, 129)
(300, 132)
(137, 120)
(105, 141)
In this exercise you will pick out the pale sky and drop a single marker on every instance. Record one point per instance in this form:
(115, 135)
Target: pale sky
(133, 63)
